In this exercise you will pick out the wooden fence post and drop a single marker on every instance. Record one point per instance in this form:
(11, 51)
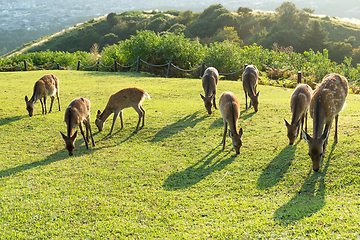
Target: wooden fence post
(115, 67)
(58, 66)
(299, 77)
(202, 69)
(168, 70)
(78, 66)
(138, 65)
(97, 64)
(25, 65)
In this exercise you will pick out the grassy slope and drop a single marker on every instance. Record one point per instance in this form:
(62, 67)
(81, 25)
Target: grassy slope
(164, 181)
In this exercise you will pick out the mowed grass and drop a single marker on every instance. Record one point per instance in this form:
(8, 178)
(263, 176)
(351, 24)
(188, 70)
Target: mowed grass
(171, 180)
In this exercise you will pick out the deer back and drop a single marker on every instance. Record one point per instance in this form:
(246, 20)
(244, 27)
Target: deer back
(77, 112)
(209, 82)
(250, 79)
(327, 101)
(300, 101)
(230, 111)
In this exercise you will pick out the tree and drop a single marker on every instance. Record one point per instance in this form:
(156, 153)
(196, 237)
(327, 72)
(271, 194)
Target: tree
(228, 33)
(314, 38)
(339, 50)
(309, 10)
(291, 18)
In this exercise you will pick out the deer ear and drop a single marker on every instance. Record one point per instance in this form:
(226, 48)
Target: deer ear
(230, 134)
(98, 112)
(26, 98)
(306, 136)
(63, 136)
(241, 132)
(297, 123)
(212, 96)
(202, 96)
(257, 95)
(286, 123)
(74, 136)
(325, 135)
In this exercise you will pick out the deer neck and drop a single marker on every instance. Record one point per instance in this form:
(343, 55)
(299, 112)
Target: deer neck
(105, 114)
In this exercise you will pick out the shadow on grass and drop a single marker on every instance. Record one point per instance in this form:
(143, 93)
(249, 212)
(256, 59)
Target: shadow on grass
(5, 121)
(276, 169)
(246, 116)
(172, 129)
(309, 200)
(197, 172)
(218, 123)
(60, 155)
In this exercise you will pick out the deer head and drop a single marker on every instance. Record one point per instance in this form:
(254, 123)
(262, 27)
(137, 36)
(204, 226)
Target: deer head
(254, 101)
(69, 142)
(236, 140)
(316, 148)
(292, 131)
(29, 106)
(208, 102)
(98, 122)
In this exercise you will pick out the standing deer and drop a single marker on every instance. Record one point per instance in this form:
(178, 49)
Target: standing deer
(76, 114)
(127, 97)
(299, 104)
(327, 101)
(209, 81)
(250, 79)
(230, 111)
(46, 86)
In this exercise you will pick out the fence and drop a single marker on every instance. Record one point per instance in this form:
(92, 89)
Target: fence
(117, 67)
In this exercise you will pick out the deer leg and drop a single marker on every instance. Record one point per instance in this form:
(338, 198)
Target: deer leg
(52, 102)
(88, 129)
(143, 116)
(302, 125)
(58, 99)
(246, 101)
(306, 115)
(214, 102)
(82, 133)
(45, 105)
(116, 114)
(138, 110)
(42, 105)
(224, 135)
(336, 126)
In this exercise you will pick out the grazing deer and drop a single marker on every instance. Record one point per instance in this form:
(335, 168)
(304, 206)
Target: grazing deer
(230, 111)
(209, 81)
(250, 79)
(299, 104)
(327, 101)
(46, 86)
(127, 97)
(76, 114)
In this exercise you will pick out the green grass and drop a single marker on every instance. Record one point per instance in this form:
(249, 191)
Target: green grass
(171, 180)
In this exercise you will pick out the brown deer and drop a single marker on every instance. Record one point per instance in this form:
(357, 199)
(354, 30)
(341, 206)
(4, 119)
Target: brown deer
(250, 80)
(46, 86)
(127, 97)
(77, 114)
(299, 104)
(209, 81)
(327, 101)
(230, 111)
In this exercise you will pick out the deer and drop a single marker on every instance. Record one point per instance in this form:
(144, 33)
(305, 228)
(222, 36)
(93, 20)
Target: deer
(210, 80)
(250, 80)
(230, 112)
(127, 97)
(77, 114)
(299, 105)
(327, 101)
(46, 86)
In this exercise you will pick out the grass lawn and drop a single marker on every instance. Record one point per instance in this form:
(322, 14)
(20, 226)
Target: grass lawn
(171, 180)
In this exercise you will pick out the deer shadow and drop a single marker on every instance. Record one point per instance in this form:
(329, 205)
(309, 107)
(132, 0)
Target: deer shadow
(5, 121)
(197, 172)
(276, 169)
(308, 200)
(180, 125)
(57, 156)
(246, 116)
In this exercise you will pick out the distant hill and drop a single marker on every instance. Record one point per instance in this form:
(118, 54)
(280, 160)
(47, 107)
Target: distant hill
(27, 20)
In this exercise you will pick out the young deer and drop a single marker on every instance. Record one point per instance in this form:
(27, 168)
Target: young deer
(209, 81)
(76, 114)
(230, 111)
(127, 97)
(327, 101)
(299, 104)
(46, 86)
(250, 79)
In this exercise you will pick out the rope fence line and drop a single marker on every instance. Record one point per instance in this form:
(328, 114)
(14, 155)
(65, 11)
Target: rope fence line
(116, 64)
